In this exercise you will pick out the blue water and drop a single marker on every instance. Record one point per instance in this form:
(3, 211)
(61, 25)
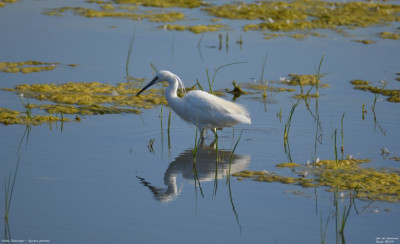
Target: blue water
(96, 181)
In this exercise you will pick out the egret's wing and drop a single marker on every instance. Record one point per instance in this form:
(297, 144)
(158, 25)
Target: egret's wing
(209, 111)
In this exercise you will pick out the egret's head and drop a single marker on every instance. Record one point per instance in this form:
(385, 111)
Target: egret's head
(163, 75)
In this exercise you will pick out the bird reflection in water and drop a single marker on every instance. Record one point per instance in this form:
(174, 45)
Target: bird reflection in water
(204, 169)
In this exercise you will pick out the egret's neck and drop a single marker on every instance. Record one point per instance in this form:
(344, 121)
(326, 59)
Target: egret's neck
(171, 92)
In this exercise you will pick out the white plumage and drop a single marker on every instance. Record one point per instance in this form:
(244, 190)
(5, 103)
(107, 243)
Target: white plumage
(200, 108)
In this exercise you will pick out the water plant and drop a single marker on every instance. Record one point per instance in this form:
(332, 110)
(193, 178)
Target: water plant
(342, 135)
(26, 67)
(366, 183)
(197, 29)
(130, 47)
(211, 82)
(318, 75)
(286, 131)
(304, 16)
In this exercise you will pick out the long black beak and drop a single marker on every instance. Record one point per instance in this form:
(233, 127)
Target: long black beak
(152, 82)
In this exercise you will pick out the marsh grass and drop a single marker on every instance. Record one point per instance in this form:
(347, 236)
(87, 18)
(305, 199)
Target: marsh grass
(263, 65)
(318, 75)
(226, 42)
(197, 142)
(376, 97)
(232, 154)
(27, 106)
(228, 179)
(211, 81)
(342, 135)
(216, 163)
(9, 182)
(324, 229)
(286, 131)
(335, 147)
(130, 48)
(346, 209)
(363, 111)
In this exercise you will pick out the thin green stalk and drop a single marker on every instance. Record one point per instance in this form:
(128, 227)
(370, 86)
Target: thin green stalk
(335, 148)
(154, 68)
(363, 111)
(229, 182)
(286, 132)
(289, 121)
(263, 64)
(195, 175)
(227, 42)
(211, 82)
(216, 163)
(376, 97)
(232, 154)
(324, 230)
(9, 189)
(128, 57)
(318, 74)
(199, 85)
(342, 135)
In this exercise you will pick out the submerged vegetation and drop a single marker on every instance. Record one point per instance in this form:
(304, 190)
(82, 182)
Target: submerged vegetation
(381, 184)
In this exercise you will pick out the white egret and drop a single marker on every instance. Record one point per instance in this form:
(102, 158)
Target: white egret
(200, 108)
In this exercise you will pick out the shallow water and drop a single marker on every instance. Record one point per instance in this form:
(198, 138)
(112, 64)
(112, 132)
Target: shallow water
(97, 181)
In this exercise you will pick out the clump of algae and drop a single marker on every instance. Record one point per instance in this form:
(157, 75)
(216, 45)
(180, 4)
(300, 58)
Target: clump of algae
(3, 2)
(8, 117)
(110, 13)
(270, 88)
(393, 94)
(83, 98)
(197, 29)
(303, 80)
(165, 3)
(381, 184)
(389, 35)
(27, 66)
(298, 15)
(366, 42)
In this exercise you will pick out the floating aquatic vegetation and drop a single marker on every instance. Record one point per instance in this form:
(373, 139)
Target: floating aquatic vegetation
(27, 66)
(237, 91)
(303, 80)
(270, 88)
(307, 15)
(288, 165)
(365, 41)
(393, 94)
(389, 35)
(3, 2)
(381, 184)
(91, 93)
(8, 117)
(83, 98)
(359, 82)
(92, 13)
(165, 3)
(195, 28)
